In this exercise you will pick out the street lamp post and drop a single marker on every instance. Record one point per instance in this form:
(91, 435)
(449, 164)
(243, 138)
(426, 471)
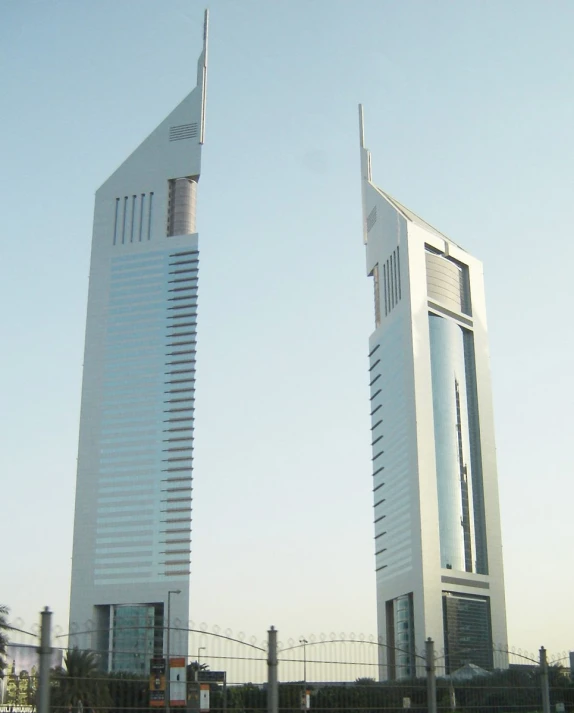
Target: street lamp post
(168, 674)
(197, 670)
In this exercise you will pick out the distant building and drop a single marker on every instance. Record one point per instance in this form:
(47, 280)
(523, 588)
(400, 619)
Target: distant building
(132, 532)
(437, 524)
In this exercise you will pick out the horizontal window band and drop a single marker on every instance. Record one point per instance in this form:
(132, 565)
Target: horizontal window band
(177, 519)
(177, 500)
(379, 486)
(378, 470)
(175, 470)
(177, 573)
(184, 262)
(380, 552)
(182, 254)
(382, 517)
(378, 423)
(380, 568)
(177, 479)
(380, 535)
(175, 530)
(377, 377)
(374, 350)
(380, 453)
(375, 395)
(380, 438)
(175, 308)
(375, 364)
(379, 503)
(178, 298)
(376, 409)
(186, 271)
(179, 280)
(185, 489)
(190, 315)
(177, 541)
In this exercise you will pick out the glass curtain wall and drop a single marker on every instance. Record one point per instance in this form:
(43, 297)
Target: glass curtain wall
(457, 447)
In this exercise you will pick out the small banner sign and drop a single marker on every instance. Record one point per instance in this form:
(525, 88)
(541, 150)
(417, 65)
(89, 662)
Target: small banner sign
(204, 697)
(177, 682)
(157, 683)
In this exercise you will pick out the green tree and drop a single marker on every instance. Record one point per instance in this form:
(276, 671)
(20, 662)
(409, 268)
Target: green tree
(80, 685)
(3, 637)
(192, 669)
(128, 692)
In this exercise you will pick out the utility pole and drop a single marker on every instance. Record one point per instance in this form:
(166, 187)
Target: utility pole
(431, 676)
(272, 665)
(45, 654)
(544, 681)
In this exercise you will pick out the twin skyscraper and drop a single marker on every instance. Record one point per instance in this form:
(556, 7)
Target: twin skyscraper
(437, 525)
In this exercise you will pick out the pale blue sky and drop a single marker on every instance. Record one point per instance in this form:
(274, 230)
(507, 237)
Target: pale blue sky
(469, 113)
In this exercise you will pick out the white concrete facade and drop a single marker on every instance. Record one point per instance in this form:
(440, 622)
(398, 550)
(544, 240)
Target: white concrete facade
(437, 523)
(132, 531)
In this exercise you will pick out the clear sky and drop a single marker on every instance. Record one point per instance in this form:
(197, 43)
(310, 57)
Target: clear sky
(469, 113)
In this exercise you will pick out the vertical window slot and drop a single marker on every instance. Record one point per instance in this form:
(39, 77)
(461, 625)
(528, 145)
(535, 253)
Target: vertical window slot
(149, 215)
(141, 215)
(124, 220)
(116, 219)
(133, 219)
(399, 269)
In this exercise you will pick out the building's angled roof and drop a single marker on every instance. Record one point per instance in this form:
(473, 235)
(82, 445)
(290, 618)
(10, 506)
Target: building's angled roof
(414, 218)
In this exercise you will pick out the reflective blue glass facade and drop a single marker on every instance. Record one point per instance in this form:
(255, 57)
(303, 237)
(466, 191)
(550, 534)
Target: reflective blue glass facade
(457, 446)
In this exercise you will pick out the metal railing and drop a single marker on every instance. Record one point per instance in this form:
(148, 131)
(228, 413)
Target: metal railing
(232, 672)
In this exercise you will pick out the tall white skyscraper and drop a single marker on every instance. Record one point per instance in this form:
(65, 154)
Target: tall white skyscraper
(132, 531)
(437, 523)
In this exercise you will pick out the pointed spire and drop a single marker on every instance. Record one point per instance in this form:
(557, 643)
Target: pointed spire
(202, 75)
(361, 126)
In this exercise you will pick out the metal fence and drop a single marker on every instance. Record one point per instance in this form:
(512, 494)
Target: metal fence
(226, 671)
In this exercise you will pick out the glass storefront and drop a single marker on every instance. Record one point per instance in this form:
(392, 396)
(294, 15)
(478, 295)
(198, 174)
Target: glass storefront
(467, 631)
(133, 637)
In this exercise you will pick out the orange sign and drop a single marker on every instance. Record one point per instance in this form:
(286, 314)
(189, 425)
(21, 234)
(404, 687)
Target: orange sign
(177, 682)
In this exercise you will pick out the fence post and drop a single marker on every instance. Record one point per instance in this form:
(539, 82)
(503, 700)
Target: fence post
(272, 665)
(431, 675)
(544, 681)
(44, 655)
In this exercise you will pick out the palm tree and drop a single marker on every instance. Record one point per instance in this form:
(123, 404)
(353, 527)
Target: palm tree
(81, 684)
(193, 668)
(3, 637)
